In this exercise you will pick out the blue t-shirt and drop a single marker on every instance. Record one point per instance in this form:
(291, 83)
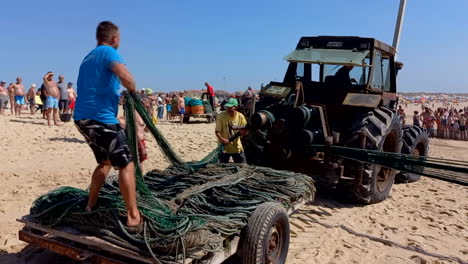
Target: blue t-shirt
(98, 87)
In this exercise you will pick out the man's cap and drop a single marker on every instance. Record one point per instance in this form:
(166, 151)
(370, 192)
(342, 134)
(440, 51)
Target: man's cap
(2, 82)
(231, 102)
(70, 83)
(149, 91)
(33, 85)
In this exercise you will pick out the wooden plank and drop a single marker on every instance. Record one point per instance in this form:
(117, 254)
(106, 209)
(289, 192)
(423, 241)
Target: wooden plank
(66, 250)
(91, 241)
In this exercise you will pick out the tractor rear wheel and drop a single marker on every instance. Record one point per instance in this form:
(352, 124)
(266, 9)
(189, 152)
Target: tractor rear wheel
(416, 143)
(382, 131)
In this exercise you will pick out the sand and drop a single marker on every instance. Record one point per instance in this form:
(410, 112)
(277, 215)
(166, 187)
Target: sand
(423, 222)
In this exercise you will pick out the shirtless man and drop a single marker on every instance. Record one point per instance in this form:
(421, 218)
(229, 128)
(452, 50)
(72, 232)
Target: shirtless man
(52, 97)
(11, 95)
(3, 97)
(19, 96)
(181, 106)
(71, 97)
(31, 96)
(426, 117)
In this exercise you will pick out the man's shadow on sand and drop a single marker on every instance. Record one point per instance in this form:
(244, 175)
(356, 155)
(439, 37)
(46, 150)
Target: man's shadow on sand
(27, 122)
(34, 255)
(66, 139)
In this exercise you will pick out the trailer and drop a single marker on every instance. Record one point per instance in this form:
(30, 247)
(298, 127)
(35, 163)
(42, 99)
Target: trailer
(83, 247)
(210, 116)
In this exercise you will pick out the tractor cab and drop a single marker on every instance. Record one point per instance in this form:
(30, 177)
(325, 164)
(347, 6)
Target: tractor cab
(350, 71)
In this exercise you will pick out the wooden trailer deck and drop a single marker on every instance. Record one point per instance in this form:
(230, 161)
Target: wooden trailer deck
(67, 241)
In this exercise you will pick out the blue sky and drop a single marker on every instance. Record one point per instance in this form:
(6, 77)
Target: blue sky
(176, 45)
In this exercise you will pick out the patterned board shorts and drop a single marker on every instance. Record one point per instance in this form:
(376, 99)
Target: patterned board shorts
(108, 142)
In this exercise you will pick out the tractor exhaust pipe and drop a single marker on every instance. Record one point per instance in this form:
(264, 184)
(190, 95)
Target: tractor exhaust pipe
(399, 24)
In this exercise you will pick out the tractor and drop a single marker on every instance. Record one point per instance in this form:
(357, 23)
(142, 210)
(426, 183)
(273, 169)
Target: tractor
(341, 91)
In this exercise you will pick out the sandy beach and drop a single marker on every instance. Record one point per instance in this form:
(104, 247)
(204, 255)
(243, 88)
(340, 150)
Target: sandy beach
(423, 222)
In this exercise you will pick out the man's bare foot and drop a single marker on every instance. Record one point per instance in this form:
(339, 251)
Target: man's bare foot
(135, 222)
(90, 208)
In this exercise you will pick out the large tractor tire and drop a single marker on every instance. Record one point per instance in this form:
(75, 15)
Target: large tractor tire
(382, 131)
(265, 239)
(416, 143)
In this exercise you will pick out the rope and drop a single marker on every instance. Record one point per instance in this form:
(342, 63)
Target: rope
(453, 171)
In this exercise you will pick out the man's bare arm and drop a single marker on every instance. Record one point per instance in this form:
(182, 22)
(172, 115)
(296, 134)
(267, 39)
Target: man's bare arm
(125, 77)
(224, 141)
(45, 77)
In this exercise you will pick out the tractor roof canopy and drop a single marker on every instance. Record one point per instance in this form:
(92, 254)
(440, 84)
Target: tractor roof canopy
(336, 50)
(326, 56)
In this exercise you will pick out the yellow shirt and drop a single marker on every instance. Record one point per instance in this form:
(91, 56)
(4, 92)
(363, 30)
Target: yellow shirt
(223, 121)
(38, 100)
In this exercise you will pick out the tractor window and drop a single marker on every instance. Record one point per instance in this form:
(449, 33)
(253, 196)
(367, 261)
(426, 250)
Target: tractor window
(300, 71)
(386, 73)
(360, 74)
(316, 72)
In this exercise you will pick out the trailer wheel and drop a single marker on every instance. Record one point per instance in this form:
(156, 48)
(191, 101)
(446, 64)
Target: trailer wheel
(266, 236)
(186, 119)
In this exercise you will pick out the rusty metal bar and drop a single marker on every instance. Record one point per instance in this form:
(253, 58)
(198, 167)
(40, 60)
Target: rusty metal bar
(65, 250)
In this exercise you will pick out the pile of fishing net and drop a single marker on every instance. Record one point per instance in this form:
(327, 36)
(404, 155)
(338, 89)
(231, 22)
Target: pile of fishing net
(187, 208)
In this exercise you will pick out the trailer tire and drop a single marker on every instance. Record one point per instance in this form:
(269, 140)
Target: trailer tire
(416, 143)
(382, 130)
(265, 239)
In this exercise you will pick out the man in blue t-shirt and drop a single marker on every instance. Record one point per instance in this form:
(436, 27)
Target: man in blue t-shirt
(95, 116)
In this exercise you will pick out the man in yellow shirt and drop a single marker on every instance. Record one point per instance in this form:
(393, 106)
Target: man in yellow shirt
(223, 131)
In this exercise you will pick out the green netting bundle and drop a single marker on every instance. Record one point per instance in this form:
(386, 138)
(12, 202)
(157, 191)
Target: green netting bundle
(187, 207)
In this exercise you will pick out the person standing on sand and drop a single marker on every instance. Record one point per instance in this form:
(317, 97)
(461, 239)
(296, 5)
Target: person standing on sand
(416, 119)
(3, 97)
(160, 104)
(53, 95)
(11, 95)
(43, 96)
(99, 78)
(167, 100)
(19, 96)
(181, 106)
(211, 95)
(223, 132)
(71, 97)
(31, 96)
(63, 102)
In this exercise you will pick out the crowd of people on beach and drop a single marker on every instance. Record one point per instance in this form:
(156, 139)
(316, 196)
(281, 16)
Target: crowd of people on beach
(446, 122)
(52, 98)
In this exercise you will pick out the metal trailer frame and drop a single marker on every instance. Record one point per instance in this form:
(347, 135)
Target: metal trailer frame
(70, 242)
